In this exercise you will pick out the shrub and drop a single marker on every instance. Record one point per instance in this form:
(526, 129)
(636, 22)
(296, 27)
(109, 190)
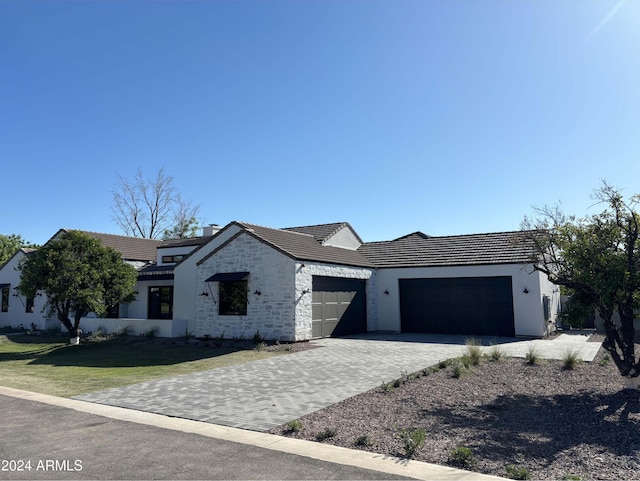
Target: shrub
(459, 369)
(294, 426)
(604, 361)
(386, 387)
(326, 434)
(258, 338)
(570, 360)
(462, 457)
(412, 440)
(496, 354)
(514, 472)
(398, 382)
(121, 332)
(445, 363)
(474, 351)
(151, 333)
(533, 356)
(364, 440)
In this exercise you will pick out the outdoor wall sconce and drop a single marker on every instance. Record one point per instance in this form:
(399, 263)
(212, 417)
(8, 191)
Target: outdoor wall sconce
(15, 294)
(386, 291)
(257, 293)
(526, 291)
(204, 293)
(306, 291)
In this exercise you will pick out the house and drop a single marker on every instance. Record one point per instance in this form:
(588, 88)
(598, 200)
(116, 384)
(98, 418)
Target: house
(300, 283)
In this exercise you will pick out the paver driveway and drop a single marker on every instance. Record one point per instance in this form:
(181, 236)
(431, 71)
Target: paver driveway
(266, 393)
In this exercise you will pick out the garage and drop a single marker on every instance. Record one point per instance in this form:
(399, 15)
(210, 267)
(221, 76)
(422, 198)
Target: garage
(339, 306)
(480, 306)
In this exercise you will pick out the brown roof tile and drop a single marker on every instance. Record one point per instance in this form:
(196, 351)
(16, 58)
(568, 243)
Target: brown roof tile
(419, 250)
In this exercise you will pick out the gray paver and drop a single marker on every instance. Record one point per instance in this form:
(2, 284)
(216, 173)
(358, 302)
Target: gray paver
(270, 392)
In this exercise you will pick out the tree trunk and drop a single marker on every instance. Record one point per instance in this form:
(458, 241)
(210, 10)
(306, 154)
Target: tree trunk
(72, 328)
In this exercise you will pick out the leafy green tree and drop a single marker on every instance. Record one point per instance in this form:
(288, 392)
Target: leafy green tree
(597, 258)
(78, 275)
(9, 245)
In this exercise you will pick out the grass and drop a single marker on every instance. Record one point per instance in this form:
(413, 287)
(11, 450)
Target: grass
(570, 359)
(49, 365)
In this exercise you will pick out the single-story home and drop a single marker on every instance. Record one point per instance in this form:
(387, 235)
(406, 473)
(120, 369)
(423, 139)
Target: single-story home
(300, 283)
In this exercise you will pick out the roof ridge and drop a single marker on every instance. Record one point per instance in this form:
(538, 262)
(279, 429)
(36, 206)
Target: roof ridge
(249, 225)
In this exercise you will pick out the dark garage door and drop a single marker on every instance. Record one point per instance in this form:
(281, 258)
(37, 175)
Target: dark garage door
(339, 306)
(469, 305)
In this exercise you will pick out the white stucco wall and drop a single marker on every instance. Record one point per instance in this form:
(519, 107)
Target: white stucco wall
(344, 238)
(528, 307)
(271, 272)
(304, 281)
(16, 314)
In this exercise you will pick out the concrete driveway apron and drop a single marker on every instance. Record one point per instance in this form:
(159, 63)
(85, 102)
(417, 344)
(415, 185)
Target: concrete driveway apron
(270, 392)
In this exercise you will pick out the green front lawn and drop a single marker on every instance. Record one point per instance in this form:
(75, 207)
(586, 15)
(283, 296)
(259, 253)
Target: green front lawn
(50, 365)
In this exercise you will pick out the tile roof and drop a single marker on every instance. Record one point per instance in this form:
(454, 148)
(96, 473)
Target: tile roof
(322, 232)
(131, 248)
(190, 241)
(304, 246)
(419, 250)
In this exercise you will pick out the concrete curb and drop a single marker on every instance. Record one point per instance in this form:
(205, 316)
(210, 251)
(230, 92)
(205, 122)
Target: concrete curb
(319, 451)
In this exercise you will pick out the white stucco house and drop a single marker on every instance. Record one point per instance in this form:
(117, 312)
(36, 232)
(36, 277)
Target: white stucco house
(300, 283)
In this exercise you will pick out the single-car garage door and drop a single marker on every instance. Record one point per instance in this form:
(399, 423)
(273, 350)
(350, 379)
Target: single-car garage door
(339, 306)
(469, 305)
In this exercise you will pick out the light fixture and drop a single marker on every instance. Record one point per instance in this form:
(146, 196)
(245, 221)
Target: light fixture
(306, 291)
(204, 293)
(526, 291)
(15, 294)
(386, 291)
(257, 292)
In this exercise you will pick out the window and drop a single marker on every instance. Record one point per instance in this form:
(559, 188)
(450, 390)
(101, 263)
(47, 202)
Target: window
(29, 305)
(112, 311)
(5, 298)
(233, 298)
(172, 259)
(160, 302)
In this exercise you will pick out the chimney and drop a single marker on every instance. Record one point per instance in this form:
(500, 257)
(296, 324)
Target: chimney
(209, 230)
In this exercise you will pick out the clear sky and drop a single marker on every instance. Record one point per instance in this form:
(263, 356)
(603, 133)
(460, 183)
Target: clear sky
(444, 116)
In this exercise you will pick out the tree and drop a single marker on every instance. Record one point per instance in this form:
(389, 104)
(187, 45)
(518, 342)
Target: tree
(9, 245)
(597, 258)
(78, 275)
(153, 208)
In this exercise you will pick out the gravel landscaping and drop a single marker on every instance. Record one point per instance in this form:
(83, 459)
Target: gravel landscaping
(553, 422)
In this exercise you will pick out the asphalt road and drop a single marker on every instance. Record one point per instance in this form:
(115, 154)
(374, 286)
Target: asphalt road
(42, 441)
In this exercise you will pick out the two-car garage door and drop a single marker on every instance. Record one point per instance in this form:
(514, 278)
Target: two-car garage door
(470, 305)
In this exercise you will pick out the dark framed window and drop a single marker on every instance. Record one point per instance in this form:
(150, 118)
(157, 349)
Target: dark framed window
(233, 298)
(172, 259)
(5, 299)
(160, 302)
(113, 311)
(29, 305)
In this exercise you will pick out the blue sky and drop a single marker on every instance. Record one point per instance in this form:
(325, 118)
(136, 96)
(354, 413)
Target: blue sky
(445, 116)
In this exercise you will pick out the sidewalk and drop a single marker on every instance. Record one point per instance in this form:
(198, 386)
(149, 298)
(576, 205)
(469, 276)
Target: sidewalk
(71, 439)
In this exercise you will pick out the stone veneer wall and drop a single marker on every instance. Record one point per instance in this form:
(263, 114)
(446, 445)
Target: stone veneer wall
(272, 273)
(304, 281)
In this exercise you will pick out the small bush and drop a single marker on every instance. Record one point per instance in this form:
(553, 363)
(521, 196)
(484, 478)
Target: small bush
(496, 354)
(364, 440)
(386, 387)
(412, 440)
(294, 426)
(151, 333)
(514, 472)
(474, 351)
(258, 338)
(445, 363)
(121, 332)
(533, 356)
(570, 359)
(398, 382)
(462, 457)
(604, 361)
(326, 434)
(459, 369)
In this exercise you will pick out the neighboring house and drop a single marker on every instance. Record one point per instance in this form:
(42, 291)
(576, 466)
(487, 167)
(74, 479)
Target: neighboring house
(300, 283)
